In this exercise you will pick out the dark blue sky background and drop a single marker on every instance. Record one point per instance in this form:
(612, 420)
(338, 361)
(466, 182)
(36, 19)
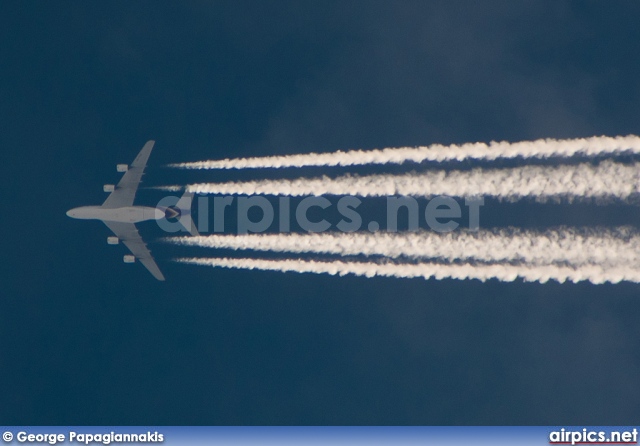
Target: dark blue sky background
(86, 339)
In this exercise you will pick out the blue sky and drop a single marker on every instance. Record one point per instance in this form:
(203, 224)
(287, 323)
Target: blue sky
(86, 339)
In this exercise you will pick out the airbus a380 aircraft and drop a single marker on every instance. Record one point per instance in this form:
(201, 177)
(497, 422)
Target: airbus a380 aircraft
(120, 215)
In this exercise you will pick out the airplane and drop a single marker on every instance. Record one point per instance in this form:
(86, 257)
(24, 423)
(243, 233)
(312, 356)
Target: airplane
(120, 215)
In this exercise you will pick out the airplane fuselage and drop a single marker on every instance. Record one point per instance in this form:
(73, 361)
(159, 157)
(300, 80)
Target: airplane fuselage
(128, 214)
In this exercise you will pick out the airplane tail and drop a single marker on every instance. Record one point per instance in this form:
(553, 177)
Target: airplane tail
(184, 205)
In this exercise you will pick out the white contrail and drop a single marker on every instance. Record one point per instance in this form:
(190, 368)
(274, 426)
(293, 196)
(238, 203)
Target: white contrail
(541, 148)
(593, 273)
(605, 248)
(607, 179)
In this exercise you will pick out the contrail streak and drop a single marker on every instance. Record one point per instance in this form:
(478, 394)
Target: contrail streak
(593, 273)
(607, 179)
(540, 149)
(608, 248)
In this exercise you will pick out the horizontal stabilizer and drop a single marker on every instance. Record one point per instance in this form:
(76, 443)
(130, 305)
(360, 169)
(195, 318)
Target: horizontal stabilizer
(184, 204)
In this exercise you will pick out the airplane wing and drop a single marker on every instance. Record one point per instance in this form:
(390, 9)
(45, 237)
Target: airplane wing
(125, 191)
(129, 235)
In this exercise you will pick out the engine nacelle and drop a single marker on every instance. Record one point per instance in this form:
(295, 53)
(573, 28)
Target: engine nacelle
(122, 167)
(108, 188)
(113, 240)
(128, 258)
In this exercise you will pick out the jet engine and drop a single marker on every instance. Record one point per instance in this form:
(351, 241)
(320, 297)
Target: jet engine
(128, 258)
(113, 240)
(122, 167)
(108, 188)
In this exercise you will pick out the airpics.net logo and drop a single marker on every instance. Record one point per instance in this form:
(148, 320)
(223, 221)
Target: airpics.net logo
(587, 436)
(317, 214)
